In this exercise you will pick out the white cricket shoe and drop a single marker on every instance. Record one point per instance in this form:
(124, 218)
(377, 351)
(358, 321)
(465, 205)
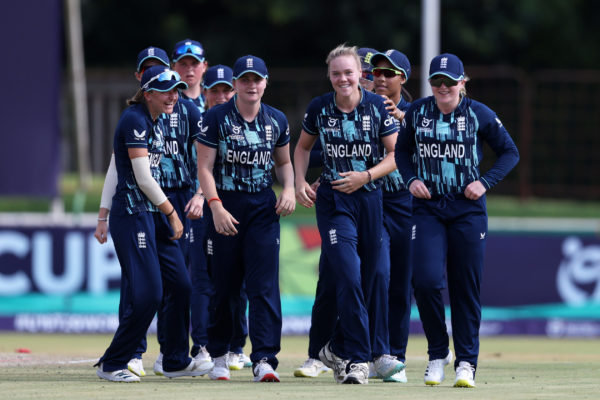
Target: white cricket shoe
(337, 364)
(398, 377)
(136, 366)
(264, 372)
(311, 369)
(121, 375)
(203, 360)
(434, 374)
(220, 371)
(465, 375)
(357, 373)
(234, 362)
(194, 368)
(386, 365)
(158, 369)
(246, 360)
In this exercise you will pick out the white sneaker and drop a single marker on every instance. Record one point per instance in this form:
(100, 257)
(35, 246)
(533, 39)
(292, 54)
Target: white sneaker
(158, 370)
(334, 362)
(234, 362)
(434, 374)
(194, 368)
(465, 375)
(372, 373)
(121, 375)
(264, 372)
(357, 373)
(202, 355)
(398, 377)
(246, 360)
(311, 369)
(136, 366)
(386, 365)
(203, 360)
(220, 371)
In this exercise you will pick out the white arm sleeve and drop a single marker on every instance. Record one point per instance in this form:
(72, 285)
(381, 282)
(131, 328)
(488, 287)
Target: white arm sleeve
(141, 170)
(110, 184)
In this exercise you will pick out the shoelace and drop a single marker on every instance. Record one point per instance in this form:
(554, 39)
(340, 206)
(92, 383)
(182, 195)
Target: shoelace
(466, 368)
(359, 368)
(309, 363)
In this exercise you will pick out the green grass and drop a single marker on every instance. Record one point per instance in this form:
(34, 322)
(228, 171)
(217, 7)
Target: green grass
(498, 206)
(509, 368)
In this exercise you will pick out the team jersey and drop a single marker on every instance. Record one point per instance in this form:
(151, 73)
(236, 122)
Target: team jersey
(448, 148)
(199, 101)
(244, 149)
(135, 130)
(177, 168)
(393, 182)
(350, 141)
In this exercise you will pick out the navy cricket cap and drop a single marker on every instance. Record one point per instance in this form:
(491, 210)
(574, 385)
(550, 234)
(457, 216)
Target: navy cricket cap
(447, 64)
(161, 79)
(396, 58)
(154, 53)
(365, 54)
(188, 48)
(218, 74)
(249, 63)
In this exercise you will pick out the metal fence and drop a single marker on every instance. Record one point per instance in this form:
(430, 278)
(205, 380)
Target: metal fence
(553, 116)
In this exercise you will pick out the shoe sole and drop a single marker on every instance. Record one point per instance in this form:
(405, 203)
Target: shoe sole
(432, 383)
(461, 383)
(301, 374)
(142, 373)
(268, 378)
(179, 374)
(158, 373)
(235, 368)
(397, 369)
(353, 381)
(107, 378)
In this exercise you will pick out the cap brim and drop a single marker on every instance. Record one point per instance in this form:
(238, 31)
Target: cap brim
(168, 86)
(201, 59)
(216, 83)
(266, 76)
(451, 76)
(148, 58)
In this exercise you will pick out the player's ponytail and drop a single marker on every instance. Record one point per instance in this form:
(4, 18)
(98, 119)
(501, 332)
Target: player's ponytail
(463, 90)
(137, 98)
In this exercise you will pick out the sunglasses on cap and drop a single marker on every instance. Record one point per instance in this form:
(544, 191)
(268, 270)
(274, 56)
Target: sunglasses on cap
(367, 75)
(387, 72)
(188, 49)
(437, 81)
(162, 77)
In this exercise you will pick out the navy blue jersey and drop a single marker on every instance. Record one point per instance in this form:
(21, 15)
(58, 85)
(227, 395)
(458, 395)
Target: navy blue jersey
(393, 182)
(199, 101)
(350, 141)
(244, 149)
(448, 148)
(135, 130)
(177, 169)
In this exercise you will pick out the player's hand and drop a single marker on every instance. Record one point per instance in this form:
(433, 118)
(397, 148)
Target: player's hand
(101, 233)
(223, 220)
(314, 186)
(351, 181)
(392, 109)
(475, 190)
(286, 203)
(176, 225)
(194, 207)
(304, 194)
(418, 189)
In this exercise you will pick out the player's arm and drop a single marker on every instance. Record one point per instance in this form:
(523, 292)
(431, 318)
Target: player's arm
(148, 185)
(108, 191)
(304, 194)
(286, 203)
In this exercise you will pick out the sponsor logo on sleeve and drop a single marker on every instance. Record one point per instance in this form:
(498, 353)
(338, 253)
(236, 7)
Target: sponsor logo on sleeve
(139, 135)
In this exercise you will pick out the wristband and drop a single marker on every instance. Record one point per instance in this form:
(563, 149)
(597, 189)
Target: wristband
(213, 199)
(103, 219)
(370, 177)
(172, 211)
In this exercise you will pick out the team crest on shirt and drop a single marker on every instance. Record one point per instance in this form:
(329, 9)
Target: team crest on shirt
(269, 133)
(461, 124)
(366, 123)
(174, 120)
(139, 135)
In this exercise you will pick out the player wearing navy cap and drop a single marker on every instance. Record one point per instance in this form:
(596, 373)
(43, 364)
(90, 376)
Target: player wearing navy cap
(143, 236)
(240, 142)
(189, 61)
(218, 89)
(353, 127)
(366, 79)
(391, 70)
(438, 153)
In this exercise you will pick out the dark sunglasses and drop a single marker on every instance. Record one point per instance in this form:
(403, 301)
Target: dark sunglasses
(439, 79)
(387, 72)
(367, 75)
(188, 49)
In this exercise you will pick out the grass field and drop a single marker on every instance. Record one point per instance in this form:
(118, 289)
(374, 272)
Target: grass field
(60, 367)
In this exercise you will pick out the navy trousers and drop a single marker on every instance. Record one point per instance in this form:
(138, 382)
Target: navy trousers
(250, 257)
(450, 236)
(351, 231)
